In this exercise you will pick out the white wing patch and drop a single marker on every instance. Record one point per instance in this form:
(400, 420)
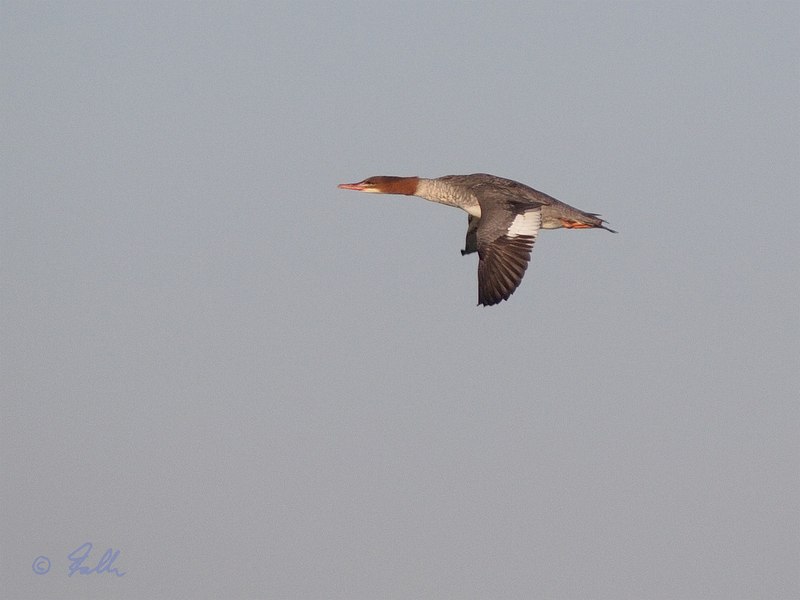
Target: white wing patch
(527, 223)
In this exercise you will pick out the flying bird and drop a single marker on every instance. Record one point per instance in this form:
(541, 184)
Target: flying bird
(504, 219)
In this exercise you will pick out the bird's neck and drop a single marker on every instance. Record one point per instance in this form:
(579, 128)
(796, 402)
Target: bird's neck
(445, 192)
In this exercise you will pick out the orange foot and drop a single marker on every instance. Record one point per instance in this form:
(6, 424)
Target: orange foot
(574, 224)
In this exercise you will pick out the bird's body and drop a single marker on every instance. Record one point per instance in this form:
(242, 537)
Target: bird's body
(504, 219)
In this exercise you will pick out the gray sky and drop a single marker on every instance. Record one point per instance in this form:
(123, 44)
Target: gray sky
(254, 385)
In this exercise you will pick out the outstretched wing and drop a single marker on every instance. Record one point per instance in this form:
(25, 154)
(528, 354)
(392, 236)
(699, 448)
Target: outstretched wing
(505, 236)
(471, 243)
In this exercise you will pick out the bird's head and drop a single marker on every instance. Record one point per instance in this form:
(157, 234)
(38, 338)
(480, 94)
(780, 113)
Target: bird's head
(384, 184)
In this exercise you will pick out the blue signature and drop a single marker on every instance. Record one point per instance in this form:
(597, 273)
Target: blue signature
(78, 556)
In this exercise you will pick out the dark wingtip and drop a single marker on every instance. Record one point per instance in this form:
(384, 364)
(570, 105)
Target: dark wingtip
(493, 301)
(486, 304)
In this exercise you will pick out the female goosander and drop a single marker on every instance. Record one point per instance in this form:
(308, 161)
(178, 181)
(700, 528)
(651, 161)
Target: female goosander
(504, 218)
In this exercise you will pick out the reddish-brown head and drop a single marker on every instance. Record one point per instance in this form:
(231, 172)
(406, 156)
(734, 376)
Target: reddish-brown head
(384, 184)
